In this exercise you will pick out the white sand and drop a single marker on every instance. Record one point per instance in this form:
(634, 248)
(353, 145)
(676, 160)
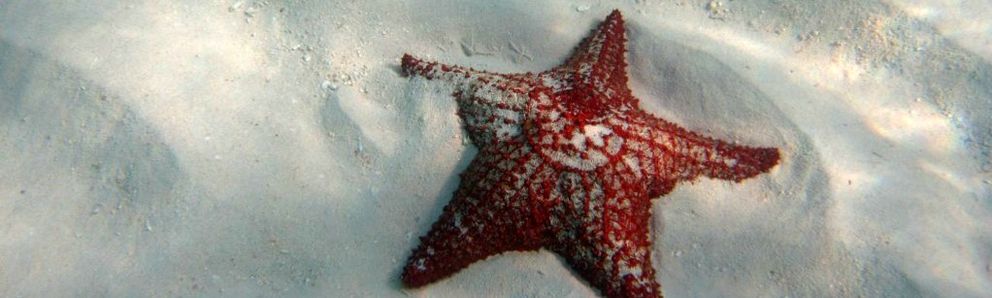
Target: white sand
(260, 148)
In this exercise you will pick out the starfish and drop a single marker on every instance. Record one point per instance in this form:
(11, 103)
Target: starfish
(567, 161)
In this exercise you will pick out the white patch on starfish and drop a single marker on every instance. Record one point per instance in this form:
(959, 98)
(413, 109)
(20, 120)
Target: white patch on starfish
(595, 133)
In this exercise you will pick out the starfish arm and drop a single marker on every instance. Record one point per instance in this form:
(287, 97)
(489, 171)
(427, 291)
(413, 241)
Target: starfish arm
(599, 63)
(694, 154)
(452, 73)
(482, 219)
(490, 104)
(605, 235)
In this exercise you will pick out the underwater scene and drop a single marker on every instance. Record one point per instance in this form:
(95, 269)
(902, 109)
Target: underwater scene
(640, 148)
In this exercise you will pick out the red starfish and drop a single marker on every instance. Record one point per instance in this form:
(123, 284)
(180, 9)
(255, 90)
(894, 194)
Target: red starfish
(567, 161)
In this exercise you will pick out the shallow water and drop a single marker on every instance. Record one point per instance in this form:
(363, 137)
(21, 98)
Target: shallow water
(271, 148)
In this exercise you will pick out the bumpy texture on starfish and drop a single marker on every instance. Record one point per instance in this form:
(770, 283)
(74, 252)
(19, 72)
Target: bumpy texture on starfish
(567, 161)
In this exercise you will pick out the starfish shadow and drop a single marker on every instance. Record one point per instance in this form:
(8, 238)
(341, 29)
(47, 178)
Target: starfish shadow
(435, 126)
(708, 95)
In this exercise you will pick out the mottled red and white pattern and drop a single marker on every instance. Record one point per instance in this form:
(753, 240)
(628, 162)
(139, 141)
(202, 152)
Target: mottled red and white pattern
(569, 162)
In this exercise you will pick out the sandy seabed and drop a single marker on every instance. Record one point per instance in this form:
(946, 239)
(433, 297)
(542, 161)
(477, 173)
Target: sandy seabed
(272, 148)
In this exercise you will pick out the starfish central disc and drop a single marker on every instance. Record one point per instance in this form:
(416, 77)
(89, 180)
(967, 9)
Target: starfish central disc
(570, 139)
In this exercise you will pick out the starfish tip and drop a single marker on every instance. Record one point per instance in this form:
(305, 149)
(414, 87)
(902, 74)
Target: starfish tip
(410, 283)
(761, 160)
(412, 278)
(614, 18)
(407, 61)
(615, 14)
(770, 157)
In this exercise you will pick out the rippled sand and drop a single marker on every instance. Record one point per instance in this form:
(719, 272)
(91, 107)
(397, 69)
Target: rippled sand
(271, 148)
